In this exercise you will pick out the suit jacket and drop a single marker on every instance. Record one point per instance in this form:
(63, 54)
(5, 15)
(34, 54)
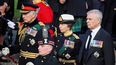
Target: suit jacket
(99, 55)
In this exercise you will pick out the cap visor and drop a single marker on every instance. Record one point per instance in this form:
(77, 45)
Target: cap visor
(24, 11)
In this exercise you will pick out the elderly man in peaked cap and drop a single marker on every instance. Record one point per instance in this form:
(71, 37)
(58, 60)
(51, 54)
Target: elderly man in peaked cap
(34, 51)
(28, 35)
(34, 45)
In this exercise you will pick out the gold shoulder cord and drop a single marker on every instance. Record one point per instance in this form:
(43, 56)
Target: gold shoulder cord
(21, 33)
(77, 37)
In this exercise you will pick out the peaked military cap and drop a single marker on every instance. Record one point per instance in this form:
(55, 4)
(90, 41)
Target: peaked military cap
(27, 7)
(67, 19)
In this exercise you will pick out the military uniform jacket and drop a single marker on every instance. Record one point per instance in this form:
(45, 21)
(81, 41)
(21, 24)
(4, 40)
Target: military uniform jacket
(68, 47)
(29, 46)
(29, 35)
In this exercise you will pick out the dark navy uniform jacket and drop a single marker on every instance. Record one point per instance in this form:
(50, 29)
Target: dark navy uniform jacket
(28, 40)
(29, 37)
(68, 47)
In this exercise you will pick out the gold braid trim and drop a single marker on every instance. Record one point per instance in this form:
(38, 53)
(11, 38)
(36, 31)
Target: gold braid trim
(21, 33)
(77, 37)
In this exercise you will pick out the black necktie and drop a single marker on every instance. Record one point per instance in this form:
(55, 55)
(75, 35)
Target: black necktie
(89, 40)
(85, 53)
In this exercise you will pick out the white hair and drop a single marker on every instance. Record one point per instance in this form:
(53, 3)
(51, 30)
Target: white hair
(97, 12)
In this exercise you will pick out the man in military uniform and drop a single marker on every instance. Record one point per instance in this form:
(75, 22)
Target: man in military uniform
(35, 43)
(29, 34)
(68, 42)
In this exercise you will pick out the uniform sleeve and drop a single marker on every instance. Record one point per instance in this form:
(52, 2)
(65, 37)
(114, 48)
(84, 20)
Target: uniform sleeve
(78, 46)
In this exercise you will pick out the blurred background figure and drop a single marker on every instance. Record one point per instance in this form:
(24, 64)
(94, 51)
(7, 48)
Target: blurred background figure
(45, 14)
(5, 15)
(77, 8)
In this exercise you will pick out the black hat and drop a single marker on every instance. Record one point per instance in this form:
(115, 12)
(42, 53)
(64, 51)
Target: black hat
(27, 7)
(66, 19)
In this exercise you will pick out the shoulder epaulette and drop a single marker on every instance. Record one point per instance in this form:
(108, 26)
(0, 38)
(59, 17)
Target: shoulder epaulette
(77, 37)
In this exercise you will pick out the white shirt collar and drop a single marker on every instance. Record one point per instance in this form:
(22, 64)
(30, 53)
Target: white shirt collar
(94, 31)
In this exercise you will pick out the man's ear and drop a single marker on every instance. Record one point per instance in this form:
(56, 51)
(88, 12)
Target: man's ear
(5, 4)
(60, 18)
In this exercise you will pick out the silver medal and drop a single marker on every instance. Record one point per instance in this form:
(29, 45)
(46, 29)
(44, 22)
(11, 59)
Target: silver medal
(96, 54)
(29, 63)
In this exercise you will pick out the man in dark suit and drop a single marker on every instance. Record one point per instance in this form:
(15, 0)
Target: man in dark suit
(99, 49)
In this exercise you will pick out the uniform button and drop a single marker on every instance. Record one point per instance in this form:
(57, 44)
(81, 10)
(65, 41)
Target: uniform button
(25, 58)
(63, 63)
(42, 61)
(54, 56)
(10, 45)
(52, 26)
(28, 45)
(58, 40)
(63, 54)
(44, 57)
(65, 49)
(56, 46)
(20, 44)
(20, 56)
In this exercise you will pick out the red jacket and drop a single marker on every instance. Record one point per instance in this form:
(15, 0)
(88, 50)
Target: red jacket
(45, 13)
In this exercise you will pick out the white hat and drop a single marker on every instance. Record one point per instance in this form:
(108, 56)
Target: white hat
(67, 17)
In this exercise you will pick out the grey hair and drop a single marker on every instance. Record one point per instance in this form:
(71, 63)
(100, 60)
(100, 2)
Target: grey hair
(36, 12)
(33, 12)
(97, 12)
